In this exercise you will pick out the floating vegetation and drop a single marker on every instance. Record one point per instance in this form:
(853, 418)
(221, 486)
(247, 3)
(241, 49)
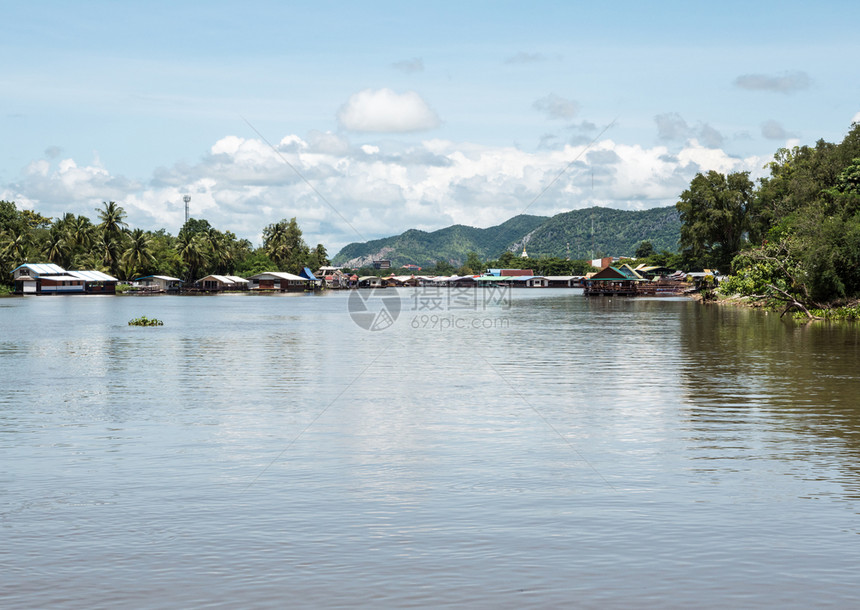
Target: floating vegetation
(144, 321)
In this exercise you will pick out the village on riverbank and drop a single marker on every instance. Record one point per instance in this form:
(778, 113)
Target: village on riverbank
(614, 278)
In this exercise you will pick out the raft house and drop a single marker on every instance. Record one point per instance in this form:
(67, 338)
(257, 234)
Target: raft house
(48, 278)
(156, 284)
(623, 280)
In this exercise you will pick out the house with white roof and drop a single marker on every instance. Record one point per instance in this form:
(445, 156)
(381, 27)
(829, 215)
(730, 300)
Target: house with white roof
(279, 281)
(48, 278)
(220, 283)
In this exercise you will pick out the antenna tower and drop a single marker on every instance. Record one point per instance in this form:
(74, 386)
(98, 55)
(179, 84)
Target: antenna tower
(187, 200)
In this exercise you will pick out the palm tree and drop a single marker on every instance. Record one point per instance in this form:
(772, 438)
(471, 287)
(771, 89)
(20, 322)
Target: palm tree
(14, 248)
(283, 243)
(138, 255)
(192, 251)
(57, 248)
(81, 232)
(112, 229)
(112, 218)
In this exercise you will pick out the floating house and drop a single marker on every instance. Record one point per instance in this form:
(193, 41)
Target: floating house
(369, 281)
(622, 280)
(518, 281)
(158, 283)
(48, 278)
(279, 281)
(563, 281)
(400, 280)
(649, 272)
(510, 272)
(221, 283)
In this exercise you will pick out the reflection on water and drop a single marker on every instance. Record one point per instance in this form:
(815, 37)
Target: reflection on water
(257, 451)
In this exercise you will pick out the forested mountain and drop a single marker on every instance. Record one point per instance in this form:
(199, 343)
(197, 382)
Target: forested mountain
(616, 233)
(451, 244)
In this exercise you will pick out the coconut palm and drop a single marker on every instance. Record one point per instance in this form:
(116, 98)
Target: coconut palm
(283, 243)
(192, 251)
(138, 255)
(81, 232)
(14, 248)
(112, 230)
(58, 249)
(113, 223)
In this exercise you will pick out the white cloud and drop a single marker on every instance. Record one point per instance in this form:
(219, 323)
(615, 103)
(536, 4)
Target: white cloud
(856, 118)
(242, 185)
(386, 111)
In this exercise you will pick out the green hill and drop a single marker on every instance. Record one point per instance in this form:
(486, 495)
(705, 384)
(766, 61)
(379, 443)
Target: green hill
(451, 244)
(616, 233)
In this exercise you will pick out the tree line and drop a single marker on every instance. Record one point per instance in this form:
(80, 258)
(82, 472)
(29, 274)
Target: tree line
(110, 245)
(793, 237)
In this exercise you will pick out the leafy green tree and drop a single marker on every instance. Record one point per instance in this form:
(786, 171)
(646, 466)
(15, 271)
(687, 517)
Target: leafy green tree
(255, 262)
(443, 268)
(283, 243)
(34, 220)
(772, 273)
(11, 220)
(318, 257)
(508, 260)
(714, 212)
(644, 250)
(195, 226)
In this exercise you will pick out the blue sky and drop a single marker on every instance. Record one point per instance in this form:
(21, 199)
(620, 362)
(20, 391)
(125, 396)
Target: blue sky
(403, 115)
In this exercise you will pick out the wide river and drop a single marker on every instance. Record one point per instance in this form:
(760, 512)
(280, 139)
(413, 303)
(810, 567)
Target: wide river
(539, 450)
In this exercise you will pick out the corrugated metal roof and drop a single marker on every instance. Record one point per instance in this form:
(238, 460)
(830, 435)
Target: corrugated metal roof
(93, 276)
(166, 278)
(237, 279)
(281, 275)
(507, 278)
(42, 268)
(61, 278)
(218, 278)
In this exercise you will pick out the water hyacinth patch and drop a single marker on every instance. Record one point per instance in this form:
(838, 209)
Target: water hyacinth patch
(144, 321)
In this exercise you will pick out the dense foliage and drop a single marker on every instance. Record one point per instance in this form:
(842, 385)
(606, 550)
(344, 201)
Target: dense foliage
(799, 227)
(615, 233)
(76, 242)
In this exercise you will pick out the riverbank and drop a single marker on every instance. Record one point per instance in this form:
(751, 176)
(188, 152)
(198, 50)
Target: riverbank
(848, 311)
